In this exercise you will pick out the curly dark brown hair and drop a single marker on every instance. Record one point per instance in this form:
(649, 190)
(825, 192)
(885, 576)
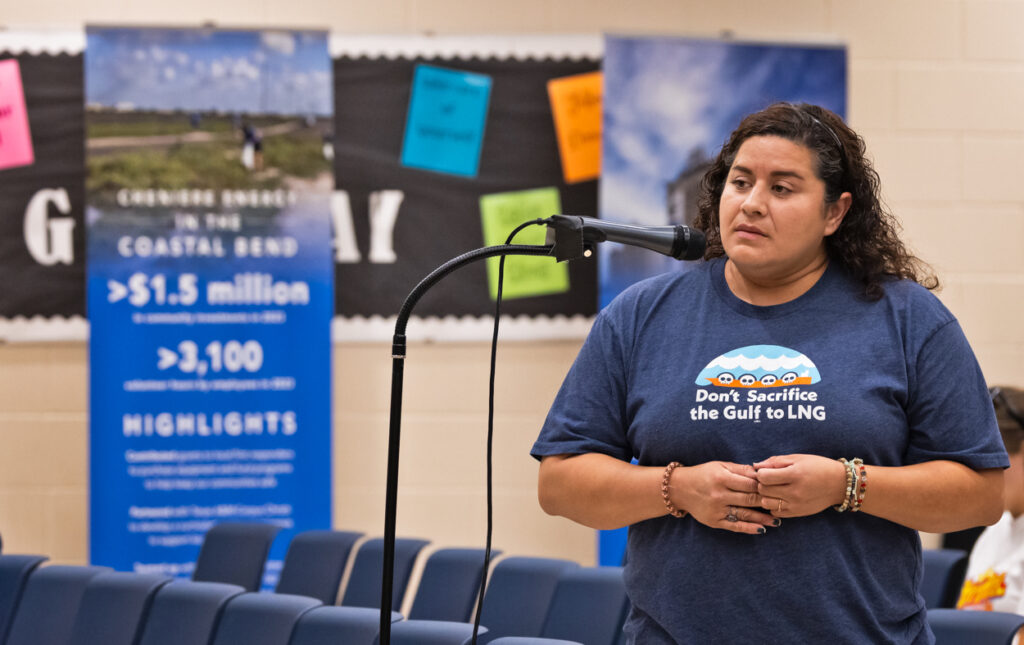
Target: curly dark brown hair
(867, 242)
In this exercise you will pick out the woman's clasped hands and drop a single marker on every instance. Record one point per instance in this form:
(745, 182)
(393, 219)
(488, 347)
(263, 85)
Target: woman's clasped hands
(722, 495)
(799, 485)
(750, 499)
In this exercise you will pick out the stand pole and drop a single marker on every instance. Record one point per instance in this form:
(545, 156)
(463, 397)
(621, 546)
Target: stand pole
(398, 348)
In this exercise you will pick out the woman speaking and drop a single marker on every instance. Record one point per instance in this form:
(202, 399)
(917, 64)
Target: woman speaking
(799, 405)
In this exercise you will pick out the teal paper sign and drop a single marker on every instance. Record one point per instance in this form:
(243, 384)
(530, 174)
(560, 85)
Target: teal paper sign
(444, 130)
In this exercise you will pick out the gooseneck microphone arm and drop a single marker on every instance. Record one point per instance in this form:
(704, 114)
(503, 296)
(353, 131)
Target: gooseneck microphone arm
(398, 347)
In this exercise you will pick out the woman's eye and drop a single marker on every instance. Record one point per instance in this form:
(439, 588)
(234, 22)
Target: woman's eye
(739, 182)
(781, 190)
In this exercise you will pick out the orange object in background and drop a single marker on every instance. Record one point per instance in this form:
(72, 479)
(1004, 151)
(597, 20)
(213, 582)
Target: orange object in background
(576, 107)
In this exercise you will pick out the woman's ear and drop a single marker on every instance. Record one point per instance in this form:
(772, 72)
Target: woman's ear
(835, 212)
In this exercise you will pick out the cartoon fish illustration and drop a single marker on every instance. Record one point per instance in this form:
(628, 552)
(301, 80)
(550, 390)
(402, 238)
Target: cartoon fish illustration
(759, 366)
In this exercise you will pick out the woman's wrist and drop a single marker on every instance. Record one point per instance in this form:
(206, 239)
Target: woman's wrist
(673, 468)
(855, 487)
(842, 486)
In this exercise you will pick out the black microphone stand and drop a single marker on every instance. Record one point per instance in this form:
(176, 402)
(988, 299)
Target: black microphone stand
(567, 245)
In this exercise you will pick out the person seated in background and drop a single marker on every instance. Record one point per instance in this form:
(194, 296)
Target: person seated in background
(995, 571)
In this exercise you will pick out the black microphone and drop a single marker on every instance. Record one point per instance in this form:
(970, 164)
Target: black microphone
(679, 242)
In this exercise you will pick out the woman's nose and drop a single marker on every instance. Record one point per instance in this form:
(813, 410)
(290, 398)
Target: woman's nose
(755, 203)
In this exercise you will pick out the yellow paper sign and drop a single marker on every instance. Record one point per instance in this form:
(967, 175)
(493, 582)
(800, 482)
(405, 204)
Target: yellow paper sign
(524, 277)
(576, 106)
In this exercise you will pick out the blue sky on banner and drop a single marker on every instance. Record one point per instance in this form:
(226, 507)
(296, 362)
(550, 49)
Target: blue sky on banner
(666, 97)
(266, 72)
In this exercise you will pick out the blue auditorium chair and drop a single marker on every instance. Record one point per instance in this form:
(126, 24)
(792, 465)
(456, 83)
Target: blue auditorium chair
(14, 573)
(531, 640)
(518, 595)
(944, 571)
(364, 583)
(187, 613)
(114, 608)
(235, 553)
(961, 627)
(49, 604)
(432, 632)
(336, 625)
(261, 618)
(449, 586)
(589, 605)
(315, 563)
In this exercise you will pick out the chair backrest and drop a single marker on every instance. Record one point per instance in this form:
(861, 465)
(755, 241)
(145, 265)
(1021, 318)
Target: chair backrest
(589, 605)
(432, 632)
(518, 595)
(334, 625)
(364, 588)
(114, 608)
(943, 577)
(261, 618)
(315, 563)
(187, 613)
(49, 604)
(14, 573)
(235, 553)
(960, 627)
(531, 640)
(449, 586)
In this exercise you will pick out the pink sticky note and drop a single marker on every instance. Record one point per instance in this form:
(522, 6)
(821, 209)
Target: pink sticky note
(15, 138)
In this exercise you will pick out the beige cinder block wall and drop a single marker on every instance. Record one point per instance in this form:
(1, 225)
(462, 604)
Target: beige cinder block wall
(936, 87)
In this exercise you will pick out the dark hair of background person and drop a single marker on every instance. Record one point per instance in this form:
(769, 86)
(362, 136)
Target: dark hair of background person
(867, 243)
(1013, 436)
(1009, 404)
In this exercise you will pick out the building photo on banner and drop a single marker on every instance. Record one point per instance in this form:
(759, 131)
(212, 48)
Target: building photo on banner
(669, 105)
(209, 289)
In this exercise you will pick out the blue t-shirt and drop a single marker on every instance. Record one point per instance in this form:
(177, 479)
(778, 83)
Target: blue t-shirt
(678, 368)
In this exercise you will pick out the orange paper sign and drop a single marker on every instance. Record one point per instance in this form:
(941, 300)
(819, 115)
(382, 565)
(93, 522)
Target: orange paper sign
(576, 105)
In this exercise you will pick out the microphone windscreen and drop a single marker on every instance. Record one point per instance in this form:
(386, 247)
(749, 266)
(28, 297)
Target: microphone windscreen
(690, 243)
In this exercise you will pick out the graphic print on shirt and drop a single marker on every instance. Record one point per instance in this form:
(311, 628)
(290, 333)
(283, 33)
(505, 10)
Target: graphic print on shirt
(980, 592)
(758, 382)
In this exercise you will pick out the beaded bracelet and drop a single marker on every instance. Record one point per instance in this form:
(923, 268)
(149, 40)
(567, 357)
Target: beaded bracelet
(862, 485)
(672, 510)
(850, 485)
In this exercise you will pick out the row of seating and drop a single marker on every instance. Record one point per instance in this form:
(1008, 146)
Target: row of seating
(68, 605)
(525, 598)
(87, 605)
(316, 560)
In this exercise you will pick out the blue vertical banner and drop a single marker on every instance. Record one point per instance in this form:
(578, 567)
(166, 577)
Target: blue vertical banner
(209, 293)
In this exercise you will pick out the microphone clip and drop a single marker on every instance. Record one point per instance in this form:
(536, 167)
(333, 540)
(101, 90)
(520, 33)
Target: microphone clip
(565, 236)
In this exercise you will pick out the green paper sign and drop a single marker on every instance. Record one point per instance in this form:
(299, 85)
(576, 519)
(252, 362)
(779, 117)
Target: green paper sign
(525, 276)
